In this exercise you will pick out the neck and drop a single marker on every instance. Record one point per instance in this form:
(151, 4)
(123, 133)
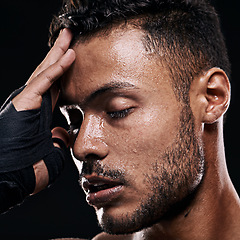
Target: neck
(214, 212)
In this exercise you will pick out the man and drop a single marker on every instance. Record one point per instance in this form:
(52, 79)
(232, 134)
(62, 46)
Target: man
(144, 88)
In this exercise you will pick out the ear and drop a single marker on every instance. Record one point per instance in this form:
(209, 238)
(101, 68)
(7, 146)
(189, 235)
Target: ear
(217, 94)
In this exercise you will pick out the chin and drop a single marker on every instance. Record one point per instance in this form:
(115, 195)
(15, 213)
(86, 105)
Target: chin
(119, 221)
(115, 223)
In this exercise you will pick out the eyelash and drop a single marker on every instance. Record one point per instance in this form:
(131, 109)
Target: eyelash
(74, 128)
(119, 114)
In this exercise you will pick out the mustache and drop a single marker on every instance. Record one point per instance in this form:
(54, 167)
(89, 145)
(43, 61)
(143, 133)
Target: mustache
(90, 168)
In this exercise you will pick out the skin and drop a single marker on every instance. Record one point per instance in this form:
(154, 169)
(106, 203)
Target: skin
(113, 143)
(56, 63)
(153, 111)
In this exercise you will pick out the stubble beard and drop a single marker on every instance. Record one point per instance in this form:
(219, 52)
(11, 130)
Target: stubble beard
(173, 180)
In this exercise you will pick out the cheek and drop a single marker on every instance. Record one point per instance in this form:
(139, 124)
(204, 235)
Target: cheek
(145, 140)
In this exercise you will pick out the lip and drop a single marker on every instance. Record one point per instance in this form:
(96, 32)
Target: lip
(101, 191)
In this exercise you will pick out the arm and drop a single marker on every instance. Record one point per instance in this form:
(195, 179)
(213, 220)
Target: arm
(29, 158)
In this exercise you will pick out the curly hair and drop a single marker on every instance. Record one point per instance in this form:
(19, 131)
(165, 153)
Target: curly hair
(185, 33)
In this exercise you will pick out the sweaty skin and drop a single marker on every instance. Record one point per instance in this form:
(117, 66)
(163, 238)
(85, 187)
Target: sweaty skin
(162, 160)
(166, 158)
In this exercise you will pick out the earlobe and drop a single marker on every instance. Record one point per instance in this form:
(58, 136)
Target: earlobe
(217, 95)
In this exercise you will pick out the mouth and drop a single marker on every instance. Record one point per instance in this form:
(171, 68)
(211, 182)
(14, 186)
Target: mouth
(101, 191)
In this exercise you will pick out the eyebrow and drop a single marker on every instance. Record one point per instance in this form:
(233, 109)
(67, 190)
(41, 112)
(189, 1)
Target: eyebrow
(108, 87)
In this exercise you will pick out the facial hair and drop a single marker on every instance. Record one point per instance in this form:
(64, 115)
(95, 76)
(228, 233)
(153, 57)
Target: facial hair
(172, 178)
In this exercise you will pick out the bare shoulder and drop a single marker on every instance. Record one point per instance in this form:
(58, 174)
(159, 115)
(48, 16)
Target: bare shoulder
(105, 236)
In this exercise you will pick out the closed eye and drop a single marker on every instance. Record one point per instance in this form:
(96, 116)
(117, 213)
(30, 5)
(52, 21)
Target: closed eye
(120, 114)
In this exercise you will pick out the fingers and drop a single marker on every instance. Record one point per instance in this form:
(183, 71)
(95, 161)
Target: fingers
(57, 51)
(31, 96)
(58, 60)
(45, 79)
(60, 47)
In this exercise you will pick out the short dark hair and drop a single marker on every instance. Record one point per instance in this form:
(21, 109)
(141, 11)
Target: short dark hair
(187, 33)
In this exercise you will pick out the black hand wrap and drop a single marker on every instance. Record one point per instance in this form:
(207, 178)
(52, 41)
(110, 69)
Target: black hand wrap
(25, 138)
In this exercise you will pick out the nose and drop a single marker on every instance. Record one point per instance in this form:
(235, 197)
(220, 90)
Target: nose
(90, 144)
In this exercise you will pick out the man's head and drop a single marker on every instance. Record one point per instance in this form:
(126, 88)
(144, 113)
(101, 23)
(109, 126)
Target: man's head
(134, 79)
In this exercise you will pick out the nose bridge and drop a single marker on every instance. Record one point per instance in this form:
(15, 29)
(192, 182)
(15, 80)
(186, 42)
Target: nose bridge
(92, 126)
(90, 139)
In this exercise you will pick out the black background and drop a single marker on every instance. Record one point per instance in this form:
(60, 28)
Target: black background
(61, 211)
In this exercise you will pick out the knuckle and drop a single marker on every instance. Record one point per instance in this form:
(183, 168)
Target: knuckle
(49, 77)
(61, 68)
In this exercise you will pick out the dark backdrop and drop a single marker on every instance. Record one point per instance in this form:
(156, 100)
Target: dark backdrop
(61, 210)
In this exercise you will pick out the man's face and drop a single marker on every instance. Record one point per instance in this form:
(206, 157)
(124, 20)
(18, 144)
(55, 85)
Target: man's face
(137, 144)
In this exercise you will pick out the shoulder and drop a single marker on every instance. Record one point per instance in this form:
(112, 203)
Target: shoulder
(105, 236)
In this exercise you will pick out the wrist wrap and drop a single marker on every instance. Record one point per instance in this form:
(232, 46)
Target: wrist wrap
(25, 135)
(25, 138)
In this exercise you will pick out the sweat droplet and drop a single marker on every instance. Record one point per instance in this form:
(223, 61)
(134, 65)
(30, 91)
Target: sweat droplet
(134, 150)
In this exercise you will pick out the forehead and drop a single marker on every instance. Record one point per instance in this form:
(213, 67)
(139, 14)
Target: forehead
(119, 56)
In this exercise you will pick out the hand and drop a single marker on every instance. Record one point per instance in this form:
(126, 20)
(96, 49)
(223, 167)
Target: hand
(56, 63)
